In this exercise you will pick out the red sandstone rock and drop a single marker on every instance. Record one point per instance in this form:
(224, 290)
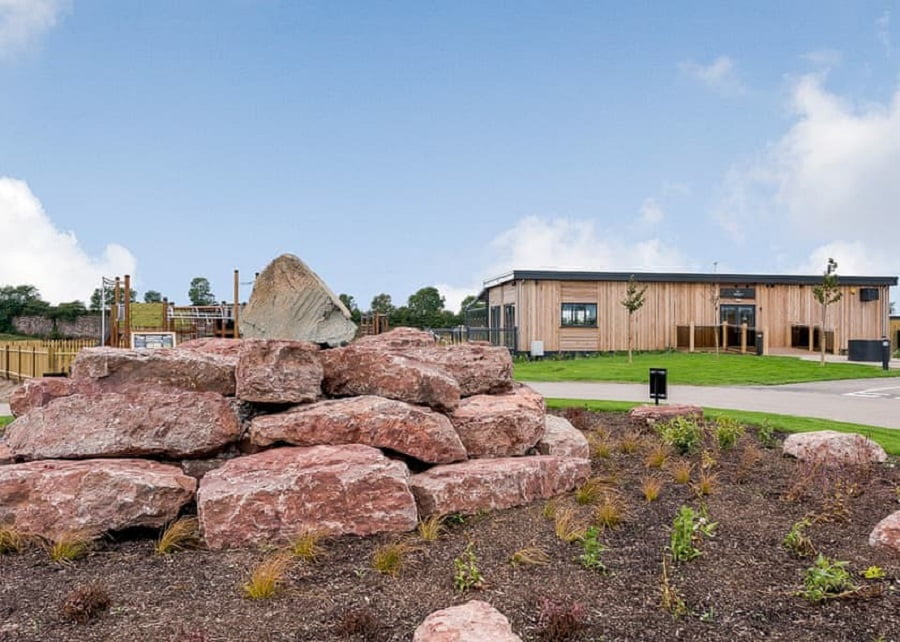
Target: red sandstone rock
(354, 371)
(887, 533)
(114, 368)
(53, 498)
(474, 621)
(562, 439)
(489, 484)
(650, 415)
(6, 456)
(228, 348)
(275, 495)
(38, 392)
(165, 422)
(397, 339)
(479, 368)
(500, 425)
(832, 447)
(375, 421)
(274, 371)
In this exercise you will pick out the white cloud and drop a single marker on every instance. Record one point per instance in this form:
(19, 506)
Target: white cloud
(831, 181)
(883, 32)
(23, 21)
(651, 212)
(36, 253)
(823, 57)
(560, 243)
(720, 76)
(454, 295)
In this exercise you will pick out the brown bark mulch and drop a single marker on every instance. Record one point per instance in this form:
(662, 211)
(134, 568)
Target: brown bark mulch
(742, 587)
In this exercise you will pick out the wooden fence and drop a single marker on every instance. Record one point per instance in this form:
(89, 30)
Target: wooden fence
(20, 360)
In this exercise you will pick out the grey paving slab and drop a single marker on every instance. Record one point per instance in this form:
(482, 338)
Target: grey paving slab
(4, 410)
(875, 402)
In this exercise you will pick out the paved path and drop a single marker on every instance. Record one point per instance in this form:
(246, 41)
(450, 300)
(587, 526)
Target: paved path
(4, 410)
(875, 402)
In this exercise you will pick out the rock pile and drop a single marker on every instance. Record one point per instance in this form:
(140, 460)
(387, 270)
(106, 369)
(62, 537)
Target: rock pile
(272, 438)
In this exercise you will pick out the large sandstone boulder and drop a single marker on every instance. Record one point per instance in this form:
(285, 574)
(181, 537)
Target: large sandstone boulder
(6, 456)
(290, 301)
(650, 415)
(563, 439)
(88, 498)
(273, 496)
(111, 369)
(474, 621)
(490, 484)
(832, 447)
(38, 392)
(374, 421)
(887, 533)
(478, 367)
(274, 371)
(354, 371)
(503, 425)
(228, 348)
(144, 421)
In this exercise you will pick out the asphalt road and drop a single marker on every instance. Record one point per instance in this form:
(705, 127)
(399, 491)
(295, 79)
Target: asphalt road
(875, 402)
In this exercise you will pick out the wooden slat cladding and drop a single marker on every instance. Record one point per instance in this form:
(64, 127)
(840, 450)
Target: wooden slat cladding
(671, 304)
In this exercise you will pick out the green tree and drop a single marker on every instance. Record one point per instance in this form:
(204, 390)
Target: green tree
(381, 304)
(350, 303)
(68, 311)
(20, 300)
(826, 294)
(110, 295)
(426, 307)
(633, 301)
(200, 292)
(152, 296)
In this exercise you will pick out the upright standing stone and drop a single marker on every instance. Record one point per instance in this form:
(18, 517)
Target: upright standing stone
(290, 301)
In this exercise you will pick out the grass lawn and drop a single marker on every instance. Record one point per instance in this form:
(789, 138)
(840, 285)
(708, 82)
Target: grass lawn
(888, 439)
(697, 369)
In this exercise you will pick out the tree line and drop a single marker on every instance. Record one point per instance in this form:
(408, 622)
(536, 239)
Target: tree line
(425, 308)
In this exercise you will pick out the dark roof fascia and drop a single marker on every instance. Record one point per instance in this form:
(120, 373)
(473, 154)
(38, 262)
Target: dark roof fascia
(685, 277)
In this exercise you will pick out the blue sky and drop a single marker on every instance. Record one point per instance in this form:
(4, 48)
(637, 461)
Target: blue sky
(395, 145)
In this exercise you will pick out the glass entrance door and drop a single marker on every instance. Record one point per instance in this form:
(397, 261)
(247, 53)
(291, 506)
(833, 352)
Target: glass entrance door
(735, 316)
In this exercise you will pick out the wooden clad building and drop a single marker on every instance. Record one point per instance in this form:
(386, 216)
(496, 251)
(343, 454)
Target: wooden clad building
(571, 311)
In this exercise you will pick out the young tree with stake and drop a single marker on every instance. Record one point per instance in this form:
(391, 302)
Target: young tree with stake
(826, 294)
(633, 301)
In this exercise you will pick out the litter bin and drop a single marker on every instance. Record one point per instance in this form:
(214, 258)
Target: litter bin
(759, 344)
(885, 353)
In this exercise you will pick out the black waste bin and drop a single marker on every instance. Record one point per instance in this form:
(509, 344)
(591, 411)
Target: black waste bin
(759, 344)
(864, 350)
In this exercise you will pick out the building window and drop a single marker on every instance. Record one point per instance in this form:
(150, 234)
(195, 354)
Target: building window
(509, 316)
(495, 316)
(579, 315)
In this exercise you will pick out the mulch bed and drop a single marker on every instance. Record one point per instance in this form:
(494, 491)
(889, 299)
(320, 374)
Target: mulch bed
(742, 587)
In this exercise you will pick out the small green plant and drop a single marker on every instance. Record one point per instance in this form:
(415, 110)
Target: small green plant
(874, 573)
(306, 546)
(11, 540)
(85, 603)
(567, 525)
(682, 433)
(727, 432)
(530, 556)
(69, 547)
(589, 492)
(687, 529)
(651, 487)
(797, 541)
(592, 549)
(430, 528)
(389, 559)
(826, 579)
(180, 534)
(466, 575)
(765, 433)
(267, 577)
(548, 511)
(600, 446)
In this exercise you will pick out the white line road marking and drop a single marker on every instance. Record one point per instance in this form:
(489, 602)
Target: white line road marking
(875, 393)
